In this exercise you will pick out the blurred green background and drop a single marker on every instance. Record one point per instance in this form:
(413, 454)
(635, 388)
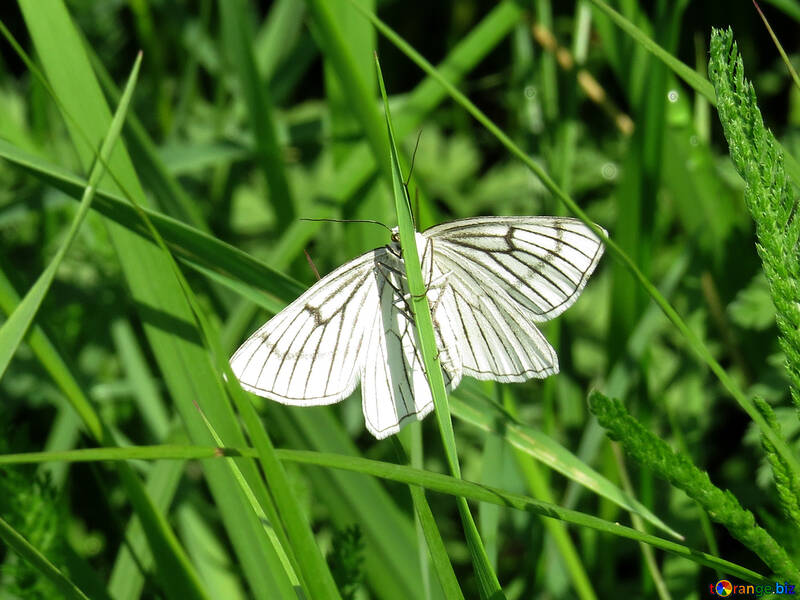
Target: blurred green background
(240, 125)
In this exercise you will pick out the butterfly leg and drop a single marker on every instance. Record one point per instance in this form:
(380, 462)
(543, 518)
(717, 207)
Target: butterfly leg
(405, 309)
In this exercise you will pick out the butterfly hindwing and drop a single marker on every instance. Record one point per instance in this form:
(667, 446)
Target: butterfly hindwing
(394, 386)
(495, 339)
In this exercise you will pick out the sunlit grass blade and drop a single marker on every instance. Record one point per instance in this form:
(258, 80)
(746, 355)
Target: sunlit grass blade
(21, 546)
(127, 578)
(433, 538)
(536, 444)
(487, 579)
(353, 85)
(208, 255)
(429, 480)
(390, 552)
(14, 329)
(53, 363)
(156, 293)
(540, 488)
(165, 187)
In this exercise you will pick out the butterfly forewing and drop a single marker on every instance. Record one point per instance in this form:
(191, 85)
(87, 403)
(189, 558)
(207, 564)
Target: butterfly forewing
(541, 263)
(311, 352)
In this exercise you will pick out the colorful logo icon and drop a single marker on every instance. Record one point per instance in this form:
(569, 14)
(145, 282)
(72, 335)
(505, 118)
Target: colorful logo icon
(723, 588)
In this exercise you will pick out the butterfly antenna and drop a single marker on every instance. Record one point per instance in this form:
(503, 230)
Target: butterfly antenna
(311, 264)
(373, 222)
(413, 158)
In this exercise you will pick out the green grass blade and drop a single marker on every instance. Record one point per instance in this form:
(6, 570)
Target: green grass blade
(487, 579)
(204, 253)
(778, 45)
(482, 413)
(187, 370)
(137, 371)
(21, 546)
(277, 35)
(53, 363)
(14, 329)
(127, 580)
(353, 85)
(433, 538)
(166, 189)
(212, 557)
(237, 37)
(408, 475)
(390, 552)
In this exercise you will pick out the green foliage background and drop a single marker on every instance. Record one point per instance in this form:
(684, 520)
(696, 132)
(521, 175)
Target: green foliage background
(246, 117)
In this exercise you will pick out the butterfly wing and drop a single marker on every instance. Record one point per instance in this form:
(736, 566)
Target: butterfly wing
(505, 274)
(353, 325)
(312, 351)
(394, 387)
(541, 263)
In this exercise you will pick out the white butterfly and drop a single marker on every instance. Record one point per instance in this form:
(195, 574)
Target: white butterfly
(488, 280)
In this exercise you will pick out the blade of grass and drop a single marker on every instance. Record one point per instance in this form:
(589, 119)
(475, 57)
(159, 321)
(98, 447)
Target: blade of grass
(696, 81)
(694, 342)
(487, 579)
(429, 480)
(485, 415)
(277, 35)
(53, 363)
(164, 186)
(127, 580)
(209, 553)
(785, 58)
(390, 553)
(540, 488)
(204, 253)
(16, 326)
(338, 54)
(39, 561)
(158, 297)
(237, 37)
(433, 538)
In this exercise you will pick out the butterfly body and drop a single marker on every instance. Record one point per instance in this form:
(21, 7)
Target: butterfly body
(487, 279)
